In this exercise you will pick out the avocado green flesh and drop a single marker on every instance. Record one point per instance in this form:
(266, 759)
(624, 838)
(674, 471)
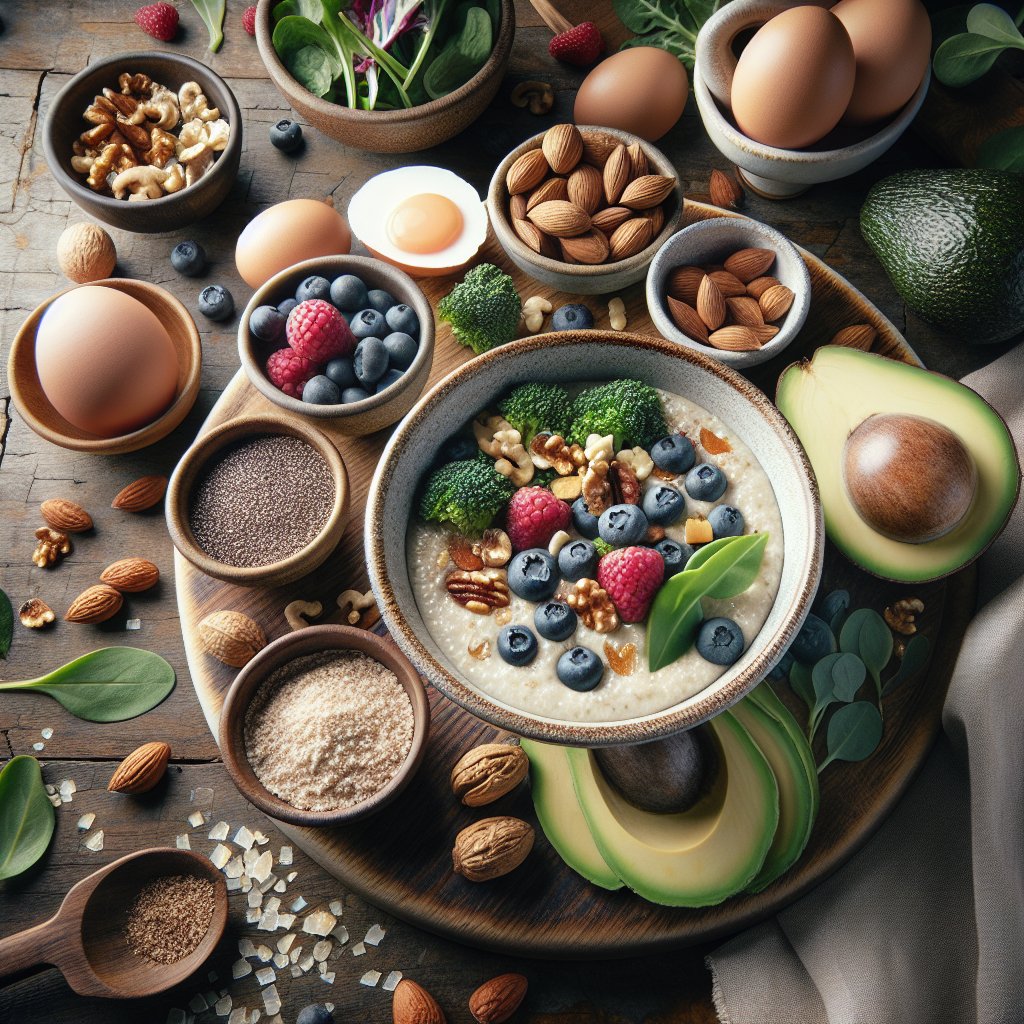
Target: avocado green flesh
(827, 398)
(697, 858)
(559, 814)
(796, 791)
(767, 699)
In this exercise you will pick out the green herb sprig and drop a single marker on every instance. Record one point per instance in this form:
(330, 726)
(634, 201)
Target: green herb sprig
(26, 816)
(671, 25)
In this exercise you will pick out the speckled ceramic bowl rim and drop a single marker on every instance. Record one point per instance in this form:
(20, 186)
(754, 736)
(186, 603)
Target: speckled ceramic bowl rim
(413, 296)
(298, 644)
(497, 200)
(699, 708)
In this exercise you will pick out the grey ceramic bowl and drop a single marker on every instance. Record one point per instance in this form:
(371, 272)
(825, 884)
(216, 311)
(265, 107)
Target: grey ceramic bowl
(576, 278)
(711, 241)
(570, 357)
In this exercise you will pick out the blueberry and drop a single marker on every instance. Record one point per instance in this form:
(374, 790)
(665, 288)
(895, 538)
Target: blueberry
(287, 306)
(267, 323)
(705, 482)
(780, 673)
(572, 318)
(813, 642)
(348, 293)
(370, 361)
(517, 645)
(674, 554)
(459, 447)
(402, 318)
(368, 323)
(341, 372)
(580, 669)
(188, 258)
(577, 559)
(586, 523)
(389, 378)
(833, 604)
(726, 521)
(674, 453)
(380, 300)
(286, 135)
(350, 395)
(555, 620)
(720, 641)
(315, 1013)
(401, 349)
(321, 390)
(663, 505)
(215, 303)
(533, 575)
(622, 525)
(314, 287)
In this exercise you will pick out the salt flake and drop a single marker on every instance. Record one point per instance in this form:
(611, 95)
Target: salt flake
(243, 838)
(265, 975)
(271, 1000)
(370, 979)
(197, 1004)
(246, 947)
(322, 950)
(234, 868)
(280, 960)
(358, 949)
(374, 935)
(220, 856)
(299, 904)
(46, 733)
(223, 1006)
(240, 968)
(340, 934)
(285, 920)
(94, 841)
(319, 923)
(219, 831)
(328, 976)
(263, 866)
(391, 981)
(182, 842)
(286, 942)
(265, 953)
(335, 907)
(285, 856)
(38, 746)
(85, 822)
(252, 915)
(196, 818)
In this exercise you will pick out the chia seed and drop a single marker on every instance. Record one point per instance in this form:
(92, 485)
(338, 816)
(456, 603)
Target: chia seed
(262, 501)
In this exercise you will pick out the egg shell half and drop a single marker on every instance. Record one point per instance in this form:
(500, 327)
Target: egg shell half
(642, 90)
(794, 79)
(288, 233)
(105, 361)
(892, 41)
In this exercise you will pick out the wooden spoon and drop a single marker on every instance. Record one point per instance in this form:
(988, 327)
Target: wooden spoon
(85, 938)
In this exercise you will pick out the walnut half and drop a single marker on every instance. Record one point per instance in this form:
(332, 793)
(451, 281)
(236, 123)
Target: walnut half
(592, 604)
(35, 614)
(52, 547)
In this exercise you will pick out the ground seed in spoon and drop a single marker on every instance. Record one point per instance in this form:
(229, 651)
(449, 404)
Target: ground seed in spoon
(170, 917)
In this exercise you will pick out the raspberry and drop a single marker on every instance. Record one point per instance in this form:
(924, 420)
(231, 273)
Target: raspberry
(534, 516)
(158, 20)
(249, 20)
(581, 45)
(316, 330)
(289, 371)
(632, 577)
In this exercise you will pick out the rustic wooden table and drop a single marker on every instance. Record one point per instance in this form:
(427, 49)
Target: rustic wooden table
(39, 50)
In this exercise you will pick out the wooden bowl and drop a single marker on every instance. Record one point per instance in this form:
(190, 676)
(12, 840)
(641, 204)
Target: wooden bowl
(195, 461)
(64, 123)
(577, 278)
(392, 131)
(313, 640)
(356, 418)
(41, 416)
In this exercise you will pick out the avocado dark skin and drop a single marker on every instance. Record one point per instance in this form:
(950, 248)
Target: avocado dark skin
(952, 241)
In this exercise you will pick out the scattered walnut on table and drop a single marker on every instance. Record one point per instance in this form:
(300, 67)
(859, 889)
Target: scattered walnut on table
(538, 97)
(35, 614)
(592, 604)
(52, 547)
(902, 615)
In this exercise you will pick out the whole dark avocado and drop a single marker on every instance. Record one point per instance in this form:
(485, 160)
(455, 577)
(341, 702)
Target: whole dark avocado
(952, 241)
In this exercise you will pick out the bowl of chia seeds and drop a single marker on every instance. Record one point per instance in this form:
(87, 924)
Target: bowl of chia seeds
(258, 501)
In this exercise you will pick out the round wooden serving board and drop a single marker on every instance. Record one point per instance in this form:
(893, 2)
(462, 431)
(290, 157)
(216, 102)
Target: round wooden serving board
(400, 859)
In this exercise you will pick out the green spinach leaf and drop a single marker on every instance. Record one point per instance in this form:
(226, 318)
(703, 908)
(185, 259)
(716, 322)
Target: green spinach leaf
(670, 25)
(212, 13)
(462, 56)
(965, 57)
(854, 732)
(1003, 151)
(915, 657)
(309, 53)
(865, 634)
(311, 9)
(6, 624)
(993, 22)
(26, 816)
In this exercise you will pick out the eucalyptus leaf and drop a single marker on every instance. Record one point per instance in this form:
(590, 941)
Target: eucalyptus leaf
(212, 13)
(854, 732)
(865, 634)
(964, 58)
(26, 816)
(993, 22)
(6, 624)
(108, 685)
(848, 675)
(1003, 151)
(915, 657)
(823, 686)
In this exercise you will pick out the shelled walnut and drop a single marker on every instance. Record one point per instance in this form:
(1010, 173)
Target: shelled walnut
(52, 547)
(552, 451)
(592, 604)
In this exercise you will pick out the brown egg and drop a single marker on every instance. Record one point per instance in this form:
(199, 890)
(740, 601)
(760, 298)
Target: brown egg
(290, 232)
(642, 90)
(892, 41)
(794, 79)
(105, 362)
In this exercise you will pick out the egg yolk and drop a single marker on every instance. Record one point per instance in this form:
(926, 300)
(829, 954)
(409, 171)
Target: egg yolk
(425, 223)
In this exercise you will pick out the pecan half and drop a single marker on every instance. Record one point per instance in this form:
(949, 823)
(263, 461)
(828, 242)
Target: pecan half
(478, 592)
(624, 483)
(592, 604)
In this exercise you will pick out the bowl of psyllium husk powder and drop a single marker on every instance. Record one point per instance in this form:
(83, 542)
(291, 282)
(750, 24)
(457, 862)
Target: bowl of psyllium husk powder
(324, 726)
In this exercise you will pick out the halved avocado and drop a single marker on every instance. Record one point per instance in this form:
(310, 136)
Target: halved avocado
(827, 398)
(559, 814)
(770, 702)
(697, 858)
(798, 791)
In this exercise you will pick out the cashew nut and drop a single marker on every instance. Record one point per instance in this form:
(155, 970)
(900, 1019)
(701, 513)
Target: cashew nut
(142, 182)
(499, 439)
(161, 107)
(193, 103)
(534, 309)
(557, 542)
(296, 613)
(538, 96)
(599, 448)
(353, 604)
(617, 314)
(638, 460)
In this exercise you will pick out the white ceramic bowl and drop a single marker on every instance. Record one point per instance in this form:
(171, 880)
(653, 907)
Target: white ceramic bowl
(711, 241)
(770, 172)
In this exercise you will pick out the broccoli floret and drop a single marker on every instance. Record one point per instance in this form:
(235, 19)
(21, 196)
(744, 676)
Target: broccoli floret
(531, 408)
(627, 409)
(468, 494)
(484, 310)
(602, 546)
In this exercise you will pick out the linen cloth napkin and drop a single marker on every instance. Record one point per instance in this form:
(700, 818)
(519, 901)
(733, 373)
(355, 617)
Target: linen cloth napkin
(925, 924)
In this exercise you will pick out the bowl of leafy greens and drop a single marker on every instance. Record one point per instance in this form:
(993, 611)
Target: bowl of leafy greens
(387, 76)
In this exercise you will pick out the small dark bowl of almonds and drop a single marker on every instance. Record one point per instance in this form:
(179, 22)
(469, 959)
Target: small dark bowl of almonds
(145, 142)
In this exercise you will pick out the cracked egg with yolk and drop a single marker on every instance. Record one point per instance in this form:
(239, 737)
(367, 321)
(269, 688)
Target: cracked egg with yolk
(426, 221)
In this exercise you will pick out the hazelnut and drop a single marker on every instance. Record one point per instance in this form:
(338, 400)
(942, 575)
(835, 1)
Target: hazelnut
(85, 253)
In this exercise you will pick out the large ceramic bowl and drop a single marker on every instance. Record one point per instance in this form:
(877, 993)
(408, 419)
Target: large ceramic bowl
(569, 357)
(392, 131)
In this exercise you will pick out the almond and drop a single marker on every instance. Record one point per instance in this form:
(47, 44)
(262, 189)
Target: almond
(231, 637)
(860, 336)
(637, 161)
(760, 285)
(560, 218)
(683, 283)
(656, 216)
(141, 770)
(710, 304)
(95, 604)
(586, 188)
(140, 494)
(729, 285)
(590, 249)
(562, 146)
(775, 302)
(553, 188)
(527, 172)
(725, 191)
(530, 234)
(615, 176)
(66, 516)
(495, 1001)
(734, 339)
(685, 317)
(647, 191)
(608, 219)
(629, 238)
(597, 147)
(744, 311)
(517, 207)
(131, 575)
(765, 332)
(413, 1004)
(747, 264)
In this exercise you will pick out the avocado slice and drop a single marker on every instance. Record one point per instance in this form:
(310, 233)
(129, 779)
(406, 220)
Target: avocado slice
(827, 398)
(797, 789)
(699, 857)
(559, 814)
(769, 701)
(953, 243)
